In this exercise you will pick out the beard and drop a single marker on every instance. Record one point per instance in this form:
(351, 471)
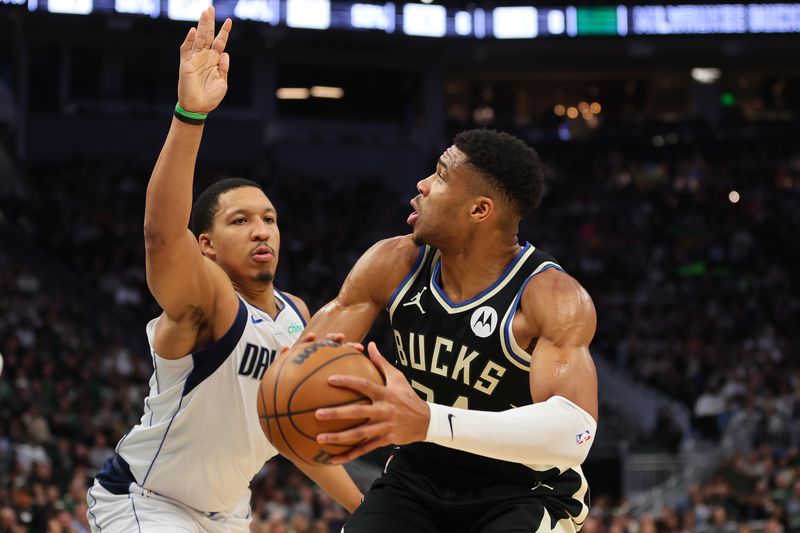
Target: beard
(265, 276)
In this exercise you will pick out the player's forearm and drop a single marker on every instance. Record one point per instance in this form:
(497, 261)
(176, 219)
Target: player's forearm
(168, 204)
(552, 433)
(336, 482)
(353, 321)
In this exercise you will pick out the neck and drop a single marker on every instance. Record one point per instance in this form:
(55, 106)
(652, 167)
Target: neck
(260, 295)
(467, 272)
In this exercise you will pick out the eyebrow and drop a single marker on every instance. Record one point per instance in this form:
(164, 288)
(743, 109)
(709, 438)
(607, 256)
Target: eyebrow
(441, 162)
(242, 211)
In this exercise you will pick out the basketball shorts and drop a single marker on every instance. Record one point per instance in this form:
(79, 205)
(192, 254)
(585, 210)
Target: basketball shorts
(142, 511)
(403, 501)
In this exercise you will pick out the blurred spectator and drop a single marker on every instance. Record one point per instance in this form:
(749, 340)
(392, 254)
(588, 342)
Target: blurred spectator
(666, 435)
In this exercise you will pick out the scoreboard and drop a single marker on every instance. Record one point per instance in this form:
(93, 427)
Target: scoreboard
(436, 21)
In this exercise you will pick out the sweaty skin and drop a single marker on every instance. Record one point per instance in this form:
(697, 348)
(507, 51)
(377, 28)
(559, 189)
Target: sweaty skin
(556, 319)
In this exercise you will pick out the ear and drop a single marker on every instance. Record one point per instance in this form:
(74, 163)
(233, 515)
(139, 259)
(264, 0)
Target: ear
(482, 209)
(206, 247)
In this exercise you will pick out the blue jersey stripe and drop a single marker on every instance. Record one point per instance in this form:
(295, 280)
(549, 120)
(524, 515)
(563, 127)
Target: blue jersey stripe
(155, 373)
(138, 525)
(89, 510)
(171, 420)
(438, 267)
(289, 301)
(515, 306)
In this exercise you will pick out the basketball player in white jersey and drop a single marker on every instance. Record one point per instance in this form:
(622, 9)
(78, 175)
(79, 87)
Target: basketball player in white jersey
(187, 465)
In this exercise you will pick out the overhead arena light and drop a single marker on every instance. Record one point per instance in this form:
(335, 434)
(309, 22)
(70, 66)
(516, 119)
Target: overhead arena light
(292, 93)
(320, 91)
(706, 75)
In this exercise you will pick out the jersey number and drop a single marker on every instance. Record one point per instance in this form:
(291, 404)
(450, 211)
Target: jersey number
(462, 402)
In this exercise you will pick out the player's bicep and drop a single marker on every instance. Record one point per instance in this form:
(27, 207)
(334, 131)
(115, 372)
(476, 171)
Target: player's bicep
(366, 290)
(351, 313)
(561, 364)
(180, 278)
(564, 371)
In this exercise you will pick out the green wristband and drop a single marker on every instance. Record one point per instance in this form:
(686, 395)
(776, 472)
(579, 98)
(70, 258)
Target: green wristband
(188, 116)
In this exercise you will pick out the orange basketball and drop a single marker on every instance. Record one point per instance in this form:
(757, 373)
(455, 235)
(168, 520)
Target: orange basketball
(296, 385)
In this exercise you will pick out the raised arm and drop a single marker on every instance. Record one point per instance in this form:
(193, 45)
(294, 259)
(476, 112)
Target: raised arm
(182, 281)
(366, 290)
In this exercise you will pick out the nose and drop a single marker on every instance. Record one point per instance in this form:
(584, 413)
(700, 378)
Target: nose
(260, 231)
(423, 186)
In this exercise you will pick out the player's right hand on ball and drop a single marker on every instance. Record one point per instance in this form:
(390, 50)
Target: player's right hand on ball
(203, 79)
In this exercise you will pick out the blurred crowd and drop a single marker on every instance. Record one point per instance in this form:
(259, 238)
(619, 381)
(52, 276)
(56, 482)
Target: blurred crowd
(757, 491)
(696, 290)
(691, 253)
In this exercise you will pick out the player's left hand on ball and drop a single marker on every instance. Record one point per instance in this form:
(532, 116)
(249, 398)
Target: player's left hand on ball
(396, 416)
(308, 336)
(335, 337)
(339, 337)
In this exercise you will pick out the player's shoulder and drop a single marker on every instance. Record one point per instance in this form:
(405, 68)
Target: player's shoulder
(381, 268)
(299, 303)
(555, 296)
(394, 252)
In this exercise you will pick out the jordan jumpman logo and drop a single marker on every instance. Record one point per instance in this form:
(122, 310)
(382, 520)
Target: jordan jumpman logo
(416, 300)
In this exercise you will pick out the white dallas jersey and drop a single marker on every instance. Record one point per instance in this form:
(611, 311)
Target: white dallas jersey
(199, 440)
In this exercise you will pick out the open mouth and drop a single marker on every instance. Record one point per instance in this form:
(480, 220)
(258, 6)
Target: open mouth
(414, 215)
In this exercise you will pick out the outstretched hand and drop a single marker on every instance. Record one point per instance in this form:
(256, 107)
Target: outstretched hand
(203, 79)
(396, 416)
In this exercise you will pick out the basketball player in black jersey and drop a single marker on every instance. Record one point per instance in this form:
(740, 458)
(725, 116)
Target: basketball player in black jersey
(492, 398)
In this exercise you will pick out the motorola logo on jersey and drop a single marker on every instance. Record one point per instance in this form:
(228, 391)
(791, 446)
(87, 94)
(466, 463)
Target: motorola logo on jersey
(255, 361)
(483, 321)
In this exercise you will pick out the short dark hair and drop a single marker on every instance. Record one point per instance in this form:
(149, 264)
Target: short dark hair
(508, 163)
(206, 205)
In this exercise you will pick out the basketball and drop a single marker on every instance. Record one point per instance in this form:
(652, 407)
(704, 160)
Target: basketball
(296, 386)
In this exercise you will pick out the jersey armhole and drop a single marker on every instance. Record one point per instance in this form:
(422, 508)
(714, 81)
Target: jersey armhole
(515, 353)
(210, 358)
(288, 301)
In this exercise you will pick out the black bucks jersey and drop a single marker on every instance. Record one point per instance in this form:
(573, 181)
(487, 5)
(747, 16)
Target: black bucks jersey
(464, 354)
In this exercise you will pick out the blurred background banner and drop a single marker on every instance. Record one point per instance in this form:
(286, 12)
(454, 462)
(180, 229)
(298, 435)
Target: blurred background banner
(670, 134)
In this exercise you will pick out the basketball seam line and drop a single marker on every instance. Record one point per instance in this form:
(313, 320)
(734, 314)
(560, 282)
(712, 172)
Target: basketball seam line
(288, 402)
(275, 403)
(305, 379)
(311, 409)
